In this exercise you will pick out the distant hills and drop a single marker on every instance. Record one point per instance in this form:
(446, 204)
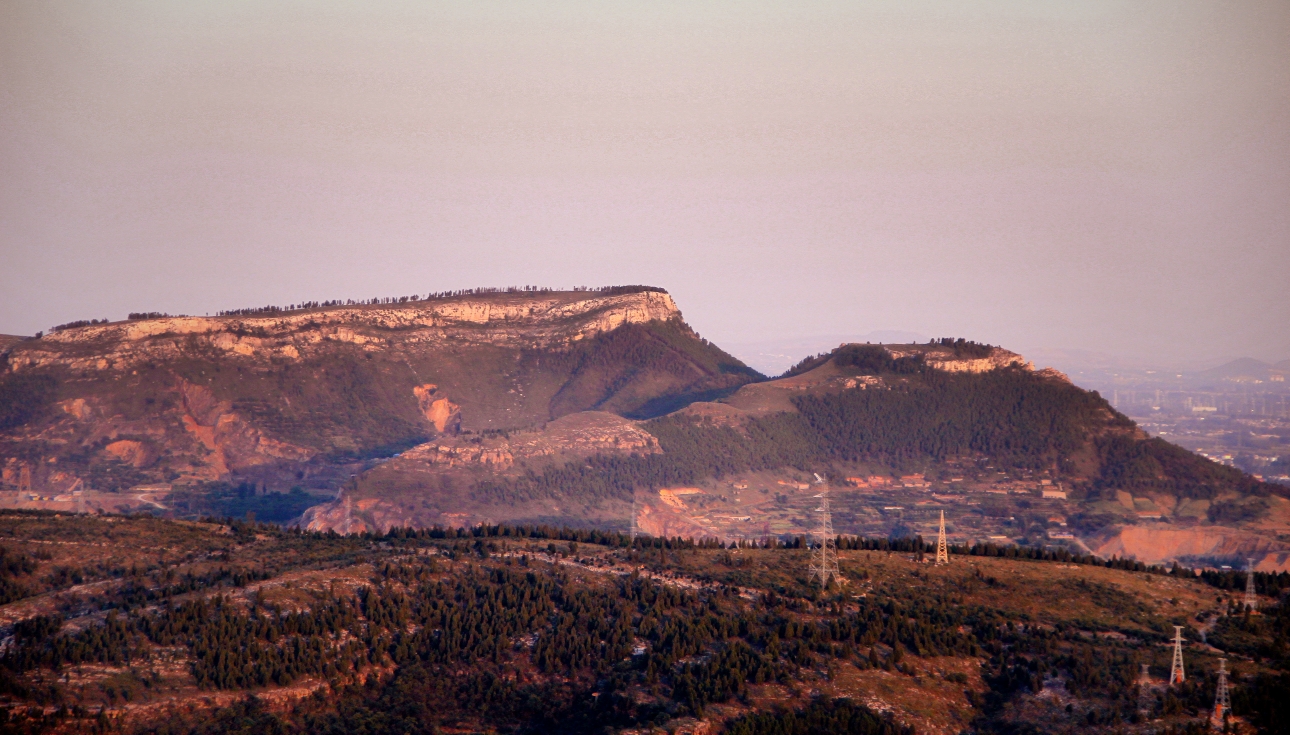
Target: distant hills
(1246, 368)
(1105, 372)
(587, 408)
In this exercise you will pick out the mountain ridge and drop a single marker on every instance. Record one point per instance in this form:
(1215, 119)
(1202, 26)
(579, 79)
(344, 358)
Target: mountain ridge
(593, 408)
(308, 397)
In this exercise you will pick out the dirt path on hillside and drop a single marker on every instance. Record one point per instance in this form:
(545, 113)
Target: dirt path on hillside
(672, 580)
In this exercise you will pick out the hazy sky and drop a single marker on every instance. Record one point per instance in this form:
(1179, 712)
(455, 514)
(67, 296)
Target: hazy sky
(1104, 176)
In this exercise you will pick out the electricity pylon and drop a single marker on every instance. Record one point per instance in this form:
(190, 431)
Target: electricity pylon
(1222, 702)
(1251, 597)
(824, 560)
(942, 552)
(1145, 705)
(1177, 675)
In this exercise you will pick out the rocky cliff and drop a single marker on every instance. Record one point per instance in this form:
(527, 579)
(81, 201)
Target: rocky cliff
(945, 358)
(308, 398)
(502, 320)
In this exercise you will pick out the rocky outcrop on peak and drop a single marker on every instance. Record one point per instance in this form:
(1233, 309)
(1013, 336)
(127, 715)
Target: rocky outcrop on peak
(501, 320)
(946, 359)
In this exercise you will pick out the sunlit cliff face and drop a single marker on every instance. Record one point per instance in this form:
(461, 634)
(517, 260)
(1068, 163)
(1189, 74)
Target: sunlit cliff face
(523, 321)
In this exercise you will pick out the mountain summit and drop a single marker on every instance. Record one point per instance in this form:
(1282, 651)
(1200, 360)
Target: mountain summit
(306, 397)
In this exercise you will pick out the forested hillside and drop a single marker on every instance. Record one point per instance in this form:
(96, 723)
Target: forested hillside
(1014, 417)
(142, 625)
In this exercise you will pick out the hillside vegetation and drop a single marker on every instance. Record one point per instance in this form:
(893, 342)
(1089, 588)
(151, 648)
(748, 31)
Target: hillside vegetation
(1016, 418)
(144, 625)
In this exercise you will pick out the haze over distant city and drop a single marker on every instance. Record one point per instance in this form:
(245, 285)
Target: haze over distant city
(1109, 177)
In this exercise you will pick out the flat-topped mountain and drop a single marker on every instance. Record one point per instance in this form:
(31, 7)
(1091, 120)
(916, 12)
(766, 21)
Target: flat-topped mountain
(306, 397)
(598, 409)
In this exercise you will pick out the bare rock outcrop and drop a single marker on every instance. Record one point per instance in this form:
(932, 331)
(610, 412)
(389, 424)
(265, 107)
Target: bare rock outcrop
(1157, 544)
(943, 358)
(438, 410)
(579, 434)
(570, 437)
(232, 442)
(134, 453)
(522, 320)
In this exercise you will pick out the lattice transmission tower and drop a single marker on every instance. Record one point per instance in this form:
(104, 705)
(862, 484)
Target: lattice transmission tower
(824, 558)
(1146, 702)
(1251, 597)
(1222, 702)
(942, 550)
(1176, 674)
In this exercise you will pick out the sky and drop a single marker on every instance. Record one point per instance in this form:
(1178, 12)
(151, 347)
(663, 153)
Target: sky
(1103, 176)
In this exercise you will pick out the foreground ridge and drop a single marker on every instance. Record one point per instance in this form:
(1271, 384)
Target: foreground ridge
(576, 630)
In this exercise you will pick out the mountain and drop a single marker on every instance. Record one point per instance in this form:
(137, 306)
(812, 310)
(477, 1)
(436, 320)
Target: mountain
(1245, 368)
(901, 431)
(596, 409)
(274, 399)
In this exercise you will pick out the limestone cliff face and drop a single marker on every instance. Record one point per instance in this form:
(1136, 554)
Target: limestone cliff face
(509, 320)
(945, 359)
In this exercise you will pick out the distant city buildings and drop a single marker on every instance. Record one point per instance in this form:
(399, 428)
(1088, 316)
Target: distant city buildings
(1236, 414)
